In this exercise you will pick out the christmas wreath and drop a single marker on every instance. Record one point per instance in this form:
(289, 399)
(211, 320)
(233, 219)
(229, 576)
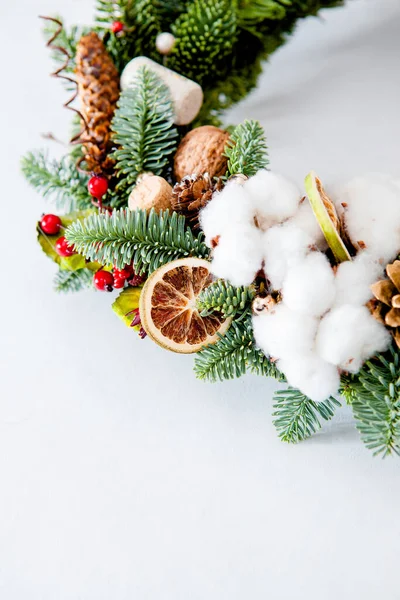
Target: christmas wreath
(211, 252)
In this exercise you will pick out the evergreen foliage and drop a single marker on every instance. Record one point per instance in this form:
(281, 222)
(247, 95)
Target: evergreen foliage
(144, 129)
(375, 400)
(233, 355)
(73, 281)
(246, 149)
(148, 240)
(296, 417)
(222, 297)
(205, 35)
(58, 180)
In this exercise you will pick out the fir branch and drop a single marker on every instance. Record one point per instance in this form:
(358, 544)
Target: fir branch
(149, 240)
(246, 149)
(73, 281)
(222, 297)
(253, 12)
(61, 180)
(144, 129)
(375, 400)
(205, 36)
(233, 355)
(297, 417)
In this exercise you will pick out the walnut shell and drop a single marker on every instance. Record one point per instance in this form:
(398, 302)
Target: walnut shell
(201, 151)
(151, 192)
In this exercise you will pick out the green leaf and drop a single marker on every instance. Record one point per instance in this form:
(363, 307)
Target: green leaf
(126, 303)
(48, 243)
(297, 417)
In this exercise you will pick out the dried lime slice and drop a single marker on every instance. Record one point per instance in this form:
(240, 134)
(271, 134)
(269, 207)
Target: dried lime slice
(326, 215)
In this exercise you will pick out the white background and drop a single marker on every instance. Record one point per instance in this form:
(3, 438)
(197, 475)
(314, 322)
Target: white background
(121, 476)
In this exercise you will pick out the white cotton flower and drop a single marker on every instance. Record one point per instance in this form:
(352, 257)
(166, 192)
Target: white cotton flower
(371, 209)
(274, 198)
(313, 376)
(309, 287)
(305, 220)
(349, 335)
(284, 246)
(282, 333)
(228, 209)
(238, 256)
(354, 279)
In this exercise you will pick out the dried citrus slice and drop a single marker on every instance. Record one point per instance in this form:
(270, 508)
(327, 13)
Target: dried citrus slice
(326, 215)
(168, 307)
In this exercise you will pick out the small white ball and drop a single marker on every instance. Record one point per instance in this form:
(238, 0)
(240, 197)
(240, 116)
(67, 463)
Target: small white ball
(165, 42)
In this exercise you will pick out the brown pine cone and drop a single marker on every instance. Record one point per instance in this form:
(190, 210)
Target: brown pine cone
(385, 307)
(192, 194)
(98, 86)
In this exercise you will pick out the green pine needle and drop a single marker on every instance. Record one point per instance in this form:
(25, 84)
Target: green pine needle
(205, 36)
(246, 149)
(59, 181)
(222, 297)
(148, 240)
(375, 400)
(233, 355)
(144, 129)
(297, 417)
(73, 281)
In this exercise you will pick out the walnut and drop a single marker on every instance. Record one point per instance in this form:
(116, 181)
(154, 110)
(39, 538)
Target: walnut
(151, 192)
(201, 151)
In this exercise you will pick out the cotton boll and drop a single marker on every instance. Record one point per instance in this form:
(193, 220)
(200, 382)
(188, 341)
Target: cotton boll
(305, 220)
(372, 214)
(284, 246)
(229, 208)
(281, 333)
(349, 335)
(354, 279)
(309, 287)
(313, 376)
(274, 198)
(238, 255)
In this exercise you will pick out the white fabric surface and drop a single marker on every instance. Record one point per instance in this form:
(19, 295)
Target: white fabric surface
(122, 477)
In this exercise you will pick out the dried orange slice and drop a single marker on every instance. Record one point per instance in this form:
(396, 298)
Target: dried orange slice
(168, 308)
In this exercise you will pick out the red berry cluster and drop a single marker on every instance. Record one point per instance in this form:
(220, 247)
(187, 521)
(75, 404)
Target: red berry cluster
(51, 225)
(107, 281)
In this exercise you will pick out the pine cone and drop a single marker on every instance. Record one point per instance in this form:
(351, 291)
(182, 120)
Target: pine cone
(98, 85)
(385, 307)
(192, 194)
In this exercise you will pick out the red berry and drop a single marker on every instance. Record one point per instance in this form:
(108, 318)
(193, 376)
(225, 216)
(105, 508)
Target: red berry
(119, 282)
(117, 27)
(124, 273)
(103, 281)
(97, 186)
(63, 248)
(50, 224)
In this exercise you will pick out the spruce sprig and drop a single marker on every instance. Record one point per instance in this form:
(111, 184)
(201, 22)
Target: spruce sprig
(223, 297)
(144, 129)
(233, 355)
(148, 240)
(296, 417)
(246, 149)
(205, 35)
(72, 281)
(59, 181)
(375, 400)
